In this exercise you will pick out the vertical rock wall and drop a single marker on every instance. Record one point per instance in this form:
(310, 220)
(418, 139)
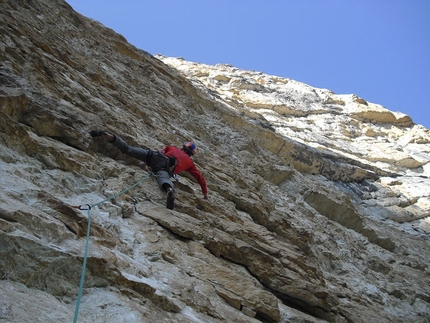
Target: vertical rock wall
(301, 225)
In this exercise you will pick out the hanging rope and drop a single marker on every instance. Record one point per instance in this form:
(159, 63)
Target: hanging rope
(84, 265)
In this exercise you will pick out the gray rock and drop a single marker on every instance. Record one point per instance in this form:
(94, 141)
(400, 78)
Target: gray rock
(318, 203)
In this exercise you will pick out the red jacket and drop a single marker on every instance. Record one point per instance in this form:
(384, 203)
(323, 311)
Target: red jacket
(185, 163)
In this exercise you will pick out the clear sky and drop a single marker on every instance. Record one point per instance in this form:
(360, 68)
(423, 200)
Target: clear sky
(376, 49)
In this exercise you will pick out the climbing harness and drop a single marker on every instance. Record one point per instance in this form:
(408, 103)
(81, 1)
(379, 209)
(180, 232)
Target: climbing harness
(88, 207)
(160, 161)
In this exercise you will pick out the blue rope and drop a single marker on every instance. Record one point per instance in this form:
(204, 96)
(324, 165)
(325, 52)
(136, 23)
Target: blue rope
(84, 265)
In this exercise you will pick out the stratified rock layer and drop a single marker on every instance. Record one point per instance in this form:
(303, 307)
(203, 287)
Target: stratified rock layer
(318, 208)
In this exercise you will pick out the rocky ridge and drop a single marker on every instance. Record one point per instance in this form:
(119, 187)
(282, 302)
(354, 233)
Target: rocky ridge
(354, 140)
(318, 208)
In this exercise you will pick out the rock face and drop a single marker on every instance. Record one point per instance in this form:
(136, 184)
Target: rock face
(318, 208)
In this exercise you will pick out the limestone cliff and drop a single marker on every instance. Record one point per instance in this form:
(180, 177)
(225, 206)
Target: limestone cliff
(318, 206)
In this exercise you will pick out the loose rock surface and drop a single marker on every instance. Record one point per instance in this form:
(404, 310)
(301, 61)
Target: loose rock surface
(318, 206)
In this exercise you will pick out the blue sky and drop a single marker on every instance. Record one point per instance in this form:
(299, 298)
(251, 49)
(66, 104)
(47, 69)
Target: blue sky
(376, 49)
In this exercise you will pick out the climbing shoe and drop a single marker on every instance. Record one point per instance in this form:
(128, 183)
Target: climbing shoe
(170, 199)
(97, 133)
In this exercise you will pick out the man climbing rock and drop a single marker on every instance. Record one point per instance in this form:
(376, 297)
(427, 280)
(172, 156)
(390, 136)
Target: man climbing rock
(165, 163)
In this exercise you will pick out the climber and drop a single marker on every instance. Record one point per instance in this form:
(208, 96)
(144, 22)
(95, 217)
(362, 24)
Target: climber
(165, 163)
